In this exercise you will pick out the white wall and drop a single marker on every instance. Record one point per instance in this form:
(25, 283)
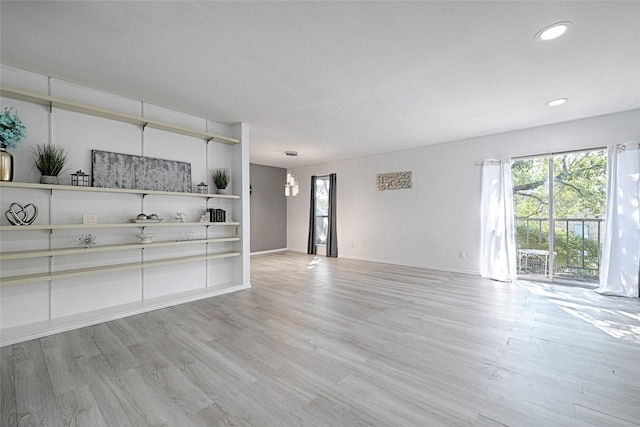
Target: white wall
(38, 304)
(430, 224)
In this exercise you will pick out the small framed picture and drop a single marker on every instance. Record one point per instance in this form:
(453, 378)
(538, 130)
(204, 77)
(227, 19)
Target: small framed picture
(89, 219)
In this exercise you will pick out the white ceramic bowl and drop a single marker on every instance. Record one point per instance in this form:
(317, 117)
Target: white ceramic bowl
(145, 237)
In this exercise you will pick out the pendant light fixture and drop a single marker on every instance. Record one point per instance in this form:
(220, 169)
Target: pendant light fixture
(291, 186)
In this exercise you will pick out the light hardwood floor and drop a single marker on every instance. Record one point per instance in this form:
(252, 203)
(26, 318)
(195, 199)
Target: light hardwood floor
(338, 342)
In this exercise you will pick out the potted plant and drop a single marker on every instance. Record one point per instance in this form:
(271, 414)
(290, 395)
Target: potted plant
(11, 132)
(50, 160)
(221, 178)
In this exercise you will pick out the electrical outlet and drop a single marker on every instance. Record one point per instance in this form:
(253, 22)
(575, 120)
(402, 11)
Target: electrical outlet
(462, 255)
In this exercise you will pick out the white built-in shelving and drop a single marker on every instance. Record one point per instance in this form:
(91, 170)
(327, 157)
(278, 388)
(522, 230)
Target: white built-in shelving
(5, 256)
(110, 268)
(219, 255)
(118, 225)
(113, 190)
(52, 275)
(51, 101)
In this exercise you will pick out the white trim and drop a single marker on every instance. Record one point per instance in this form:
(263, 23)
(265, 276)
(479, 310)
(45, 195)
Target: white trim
(558, 153)
(269, 251)
(404, 264)
(425, 266)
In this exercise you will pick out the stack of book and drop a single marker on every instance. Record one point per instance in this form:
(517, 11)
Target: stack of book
(217, 215)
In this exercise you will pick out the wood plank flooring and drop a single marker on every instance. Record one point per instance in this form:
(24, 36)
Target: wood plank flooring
(336, 342)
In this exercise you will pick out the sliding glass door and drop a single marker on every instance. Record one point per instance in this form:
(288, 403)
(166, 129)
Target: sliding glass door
(559, 203)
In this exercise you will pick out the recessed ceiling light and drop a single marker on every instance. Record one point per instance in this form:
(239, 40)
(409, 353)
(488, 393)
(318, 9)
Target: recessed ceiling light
(556, 102)
(553, 31)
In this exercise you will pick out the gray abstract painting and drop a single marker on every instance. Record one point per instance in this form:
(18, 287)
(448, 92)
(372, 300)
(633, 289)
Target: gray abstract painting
(117, 170)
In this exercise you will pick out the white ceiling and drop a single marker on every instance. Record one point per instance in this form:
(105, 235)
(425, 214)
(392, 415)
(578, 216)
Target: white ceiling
(335, 80)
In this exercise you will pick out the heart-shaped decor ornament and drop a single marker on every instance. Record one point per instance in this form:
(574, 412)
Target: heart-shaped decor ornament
(21, 215)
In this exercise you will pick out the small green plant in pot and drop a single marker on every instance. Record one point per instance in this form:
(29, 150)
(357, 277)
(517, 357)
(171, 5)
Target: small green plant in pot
(50, 160)
(221, 178)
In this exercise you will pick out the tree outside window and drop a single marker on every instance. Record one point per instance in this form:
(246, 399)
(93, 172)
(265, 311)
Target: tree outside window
(578, 198)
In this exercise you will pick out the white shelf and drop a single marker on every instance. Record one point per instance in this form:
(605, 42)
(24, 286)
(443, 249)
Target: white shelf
(107, 248)
(40, 329)
(112, 190)
(47, 267)
(51, 101)
(121, 225)
(43, 277)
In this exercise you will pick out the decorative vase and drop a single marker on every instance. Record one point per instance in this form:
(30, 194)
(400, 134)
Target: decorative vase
(6, 164)
(222, 191)
(47, 179)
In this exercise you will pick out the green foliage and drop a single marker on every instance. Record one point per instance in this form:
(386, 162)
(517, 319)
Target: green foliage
(11, 129)
(579, 191)
(49, 159)
(567, 245)
(221, 178)
(579, 184)
(530, 188)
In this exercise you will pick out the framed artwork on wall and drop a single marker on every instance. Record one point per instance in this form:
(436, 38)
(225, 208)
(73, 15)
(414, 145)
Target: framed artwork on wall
(117, 170)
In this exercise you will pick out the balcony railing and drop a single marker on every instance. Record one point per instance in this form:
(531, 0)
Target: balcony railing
(577, 245)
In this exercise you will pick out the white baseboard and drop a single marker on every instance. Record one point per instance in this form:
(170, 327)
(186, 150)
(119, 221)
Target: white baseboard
(269, 251)
(404, 264)
(45, 328)
(425, 266)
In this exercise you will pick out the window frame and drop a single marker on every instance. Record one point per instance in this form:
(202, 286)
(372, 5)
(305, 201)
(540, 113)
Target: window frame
(322, 219)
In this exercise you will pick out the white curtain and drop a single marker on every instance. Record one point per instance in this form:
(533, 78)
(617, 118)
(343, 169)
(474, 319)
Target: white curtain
(497, 235)
(619, 269)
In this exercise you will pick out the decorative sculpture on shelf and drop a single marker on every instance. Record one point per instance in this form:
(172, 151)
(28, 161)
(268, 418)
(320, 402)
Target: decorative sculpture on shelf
(181, 217)
(21, 215)
(87, 240)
